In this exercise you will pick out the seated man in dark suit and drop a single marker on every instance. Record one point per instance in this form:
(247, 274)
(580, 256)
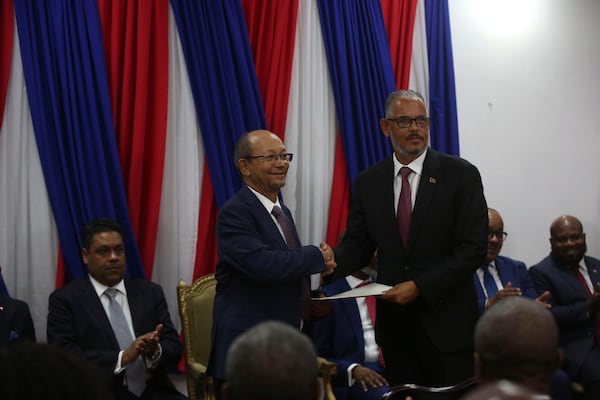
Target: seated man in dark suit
(573, 280)
(517, 340)
(272, 361)
(346, 336)
(501, 277)
(15, 320)
(121, 324)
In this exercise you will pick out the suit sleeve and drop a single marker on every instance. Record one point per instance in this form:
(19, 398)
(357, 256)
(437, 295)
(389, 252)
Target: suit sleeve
(247, 242)
(467, 241)
(169, 338)
(62, 331)
(568, 313)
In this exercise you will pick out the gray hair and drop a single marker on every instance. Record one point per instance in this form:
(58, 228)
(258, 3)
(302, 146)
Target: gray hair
(401, 94)
(272, 361)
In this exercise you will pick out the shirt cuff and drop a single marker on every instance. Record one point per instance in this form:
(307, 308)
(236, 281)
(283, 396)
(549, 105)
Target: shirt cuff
(351, 380)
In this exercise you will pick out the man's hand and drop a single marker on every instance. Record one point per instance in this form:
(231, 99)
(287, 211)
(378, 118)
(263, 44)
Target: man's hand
(543, 300)
(594, 306)
(328, 258)
(402, 293)
(145, 345)
(507, 291)
(367, 377)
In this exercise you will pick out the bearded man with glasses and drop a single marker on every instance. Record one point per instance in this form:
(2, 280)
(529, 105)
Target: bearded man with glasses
(426, 213)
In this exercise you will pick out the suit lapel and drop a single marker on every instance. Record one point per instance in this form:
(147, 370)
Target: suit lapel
(593, 268)
(92, 303)
(426, 192)
(264, 219)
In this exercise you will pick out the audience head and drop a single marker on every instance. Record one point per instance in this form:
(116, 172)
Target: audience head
(104, 251)
(271, 361)
(496, 234)
(500, 390)
(261, 159)
(406, 123)
(567, 240)
(517, 340)
(43, 371)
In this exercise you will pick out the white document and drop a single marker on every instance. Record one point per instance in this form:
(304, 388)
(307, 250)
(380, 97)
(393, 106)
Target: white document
(373, 289)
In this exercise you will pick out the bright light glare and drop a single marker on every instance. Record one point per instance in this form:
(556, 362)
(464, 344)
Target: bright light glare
(507, 17)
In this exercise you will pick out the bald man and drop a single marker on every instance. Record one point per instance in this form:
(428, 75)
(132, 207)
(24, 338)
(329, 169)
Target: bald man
(263, 270)
(517, 340)
(573, 280)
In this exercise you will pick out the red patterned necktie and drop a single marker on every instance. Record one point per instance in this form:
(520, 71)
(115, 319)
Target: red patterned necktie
(576, 270)
(404, 206)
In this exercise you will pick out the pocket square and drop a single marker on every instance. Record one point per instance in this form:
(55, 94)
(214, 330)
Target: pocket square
(13, 335)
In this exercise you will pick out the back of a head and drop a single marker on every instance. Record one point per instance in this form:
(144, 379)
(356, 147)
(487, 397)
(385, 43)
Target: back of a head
(271, 361)
(44, 371)
(517, 340)
(500, 390)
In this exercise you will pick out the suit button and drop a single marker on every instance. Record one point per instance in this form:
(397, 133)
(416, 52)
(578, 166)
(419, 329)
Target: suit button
(406, 267)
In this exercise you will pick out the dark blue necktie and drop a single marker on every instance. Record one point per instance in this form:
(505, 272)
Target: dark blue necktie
(489, 282)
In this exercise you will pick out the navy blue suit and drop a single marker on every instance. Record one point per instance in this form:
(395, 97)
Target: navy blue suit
(15, 321)
(509, 270)
(258, 277)
(78, 323)
(569, 301)
(339, 338)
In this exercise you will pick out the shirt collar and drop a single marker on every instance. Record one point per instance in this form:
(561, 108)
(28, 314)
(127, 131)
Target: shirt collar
(100, 288)
(265, 201)
(416, 165)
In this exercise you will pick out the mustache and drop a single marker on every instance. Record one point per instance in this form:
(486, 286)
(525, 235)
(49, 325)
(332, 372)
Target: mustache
(415, 135)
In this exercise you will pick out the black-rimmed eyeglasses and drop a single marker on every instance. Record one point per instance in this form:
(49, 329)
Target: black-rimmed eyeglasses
(498, 235)
(273, 158)
(404, 122)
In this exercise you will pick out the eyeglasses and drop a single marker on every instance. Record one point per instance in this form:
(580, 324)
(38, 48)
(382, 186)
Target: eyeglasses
(404, 122)
(273, 158)
(498, 235)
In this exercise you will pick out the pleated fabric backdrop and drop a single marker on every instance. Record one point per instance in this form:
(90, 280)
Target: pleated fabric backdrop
(131, 109)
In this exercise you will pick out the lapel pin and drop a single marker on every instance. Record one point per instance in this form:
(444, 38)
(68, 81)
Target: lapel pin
(432, 180)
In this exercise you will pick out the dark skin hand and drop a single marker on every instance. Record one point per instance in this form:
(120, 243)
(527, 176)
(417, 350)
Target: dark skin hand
(594, 306)
(145, 345)
(509, 290)
(367, 377)
(402, 293)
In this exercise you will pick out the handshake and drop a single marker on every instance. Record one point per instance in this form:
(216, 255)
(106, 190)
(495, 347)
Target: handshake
(328, 258)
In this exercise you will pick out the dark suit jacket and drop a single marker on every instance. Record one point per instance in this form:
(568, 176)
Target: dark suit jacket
(15, 320)
(339, 336)
(78, 323)
(258, 277)
(512, 271)
(446, 243)
(569, 302)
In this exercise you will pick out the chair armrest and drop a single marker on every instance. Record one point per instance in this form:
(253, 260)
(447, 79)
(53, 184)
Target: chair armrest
(327, 369)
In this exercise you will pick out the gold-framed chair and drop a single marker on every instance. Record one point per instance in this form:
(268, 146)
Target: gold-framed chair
(196, 309)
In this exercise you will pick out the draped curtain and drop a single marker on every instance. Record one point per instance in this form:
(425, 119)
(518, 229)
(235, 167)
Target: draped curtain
(67, 87)
(135, 34)
(442, 90)
(131, 110)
